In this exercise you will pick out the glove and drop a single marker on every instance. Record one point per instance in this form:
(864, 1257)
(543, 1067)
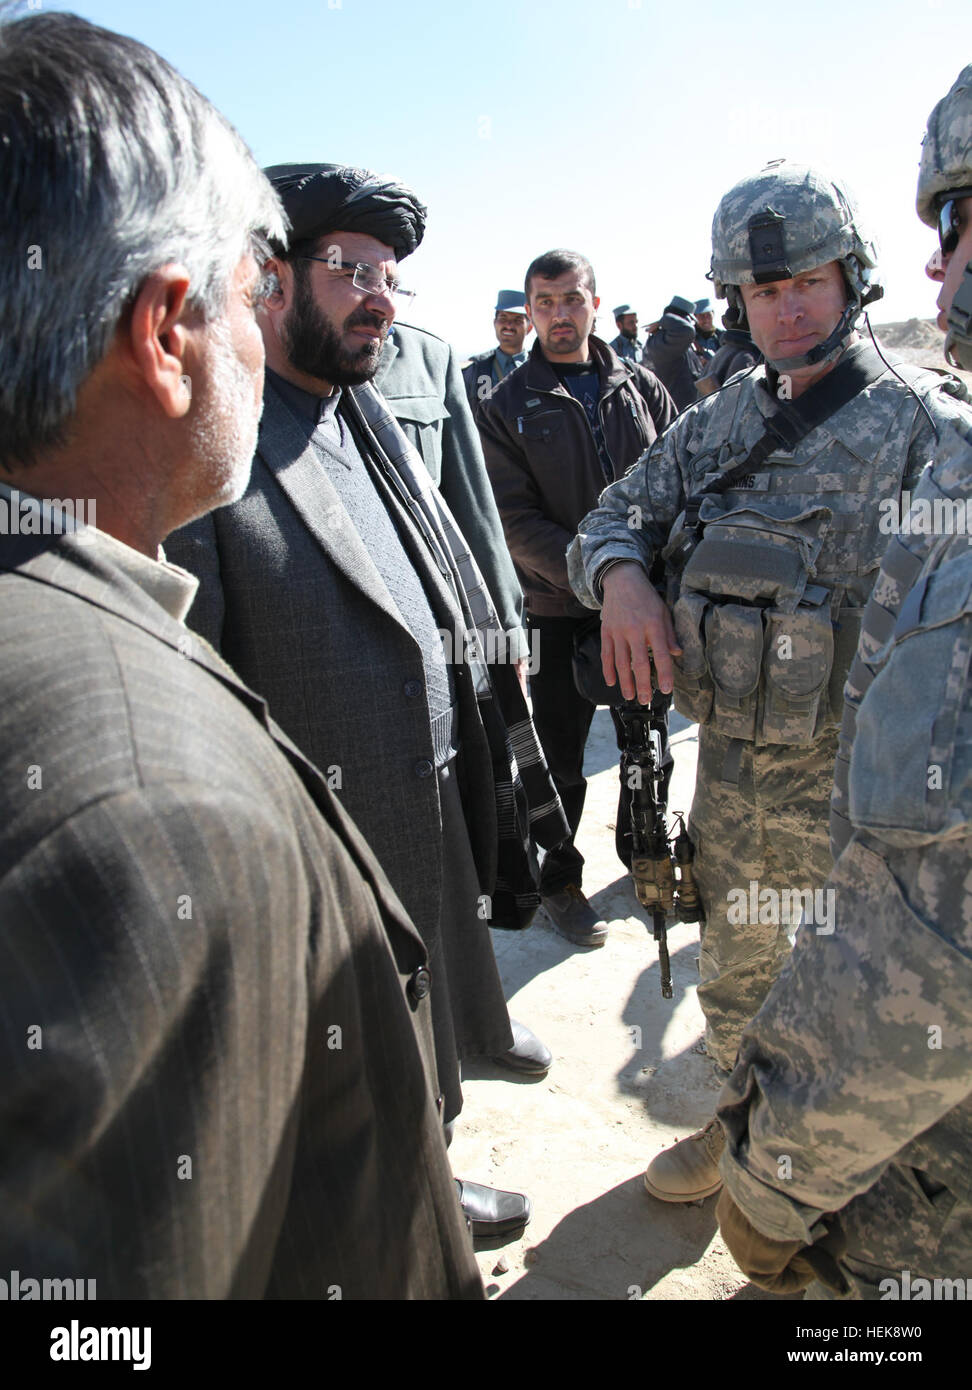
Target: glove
(779, 1266)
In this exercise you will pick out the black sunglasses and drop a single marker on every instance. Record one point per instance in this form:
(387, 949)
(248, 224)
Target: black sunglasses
(950, 226)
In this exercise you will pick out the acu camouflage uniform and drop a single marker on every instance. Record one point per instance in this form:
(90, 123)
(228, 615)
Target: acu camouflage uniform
(857, 1068)
(764, 666)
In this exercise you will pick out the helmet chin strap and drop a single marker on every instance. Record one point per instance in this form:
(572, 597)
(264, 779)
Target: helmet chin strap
(827, 351)
(958, 340)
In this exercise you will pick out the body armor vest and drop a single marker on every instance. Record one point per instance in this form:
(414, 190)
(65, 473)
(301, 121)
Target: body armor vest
(771, 600)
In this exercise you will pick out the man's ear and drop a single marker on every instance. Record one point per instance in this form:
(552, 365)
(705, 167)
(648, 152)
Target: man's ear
(273, 283)
(160, 340)
(277, 295)
(597, 302)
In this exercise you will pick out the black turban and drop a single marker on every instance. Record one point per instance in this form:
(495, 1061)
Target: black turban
(322, 198)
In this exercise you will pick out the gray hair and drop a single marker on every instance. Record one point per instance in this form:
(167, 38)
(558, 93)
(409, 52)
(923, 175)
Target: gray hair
(114, 165)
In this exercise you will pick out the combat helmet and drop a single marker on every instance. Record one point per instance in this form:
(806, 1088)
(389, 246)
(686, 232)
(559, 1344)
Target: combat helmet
(946, 172)
(783, 221)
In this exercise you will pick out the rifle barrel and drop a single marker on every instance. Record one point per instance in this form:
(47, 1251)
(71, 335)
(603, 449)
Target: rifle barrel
(664, 963)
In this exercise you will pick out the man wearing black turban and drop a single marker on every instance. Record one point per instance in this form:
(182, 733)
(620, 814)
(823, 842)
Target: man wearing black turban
(327, 197)
(329, 587)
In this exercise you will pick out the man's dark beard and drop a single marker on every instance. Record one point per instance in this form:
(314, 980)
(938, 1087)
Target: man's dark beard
(314, 347)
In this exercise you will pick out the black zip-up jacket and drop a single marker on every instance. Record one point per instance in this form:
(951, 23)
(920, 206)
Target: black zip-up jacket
(543, 462)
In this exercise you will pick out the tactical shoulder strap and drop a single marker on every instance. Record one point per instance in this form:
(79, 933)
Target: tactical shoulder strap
(858, 368)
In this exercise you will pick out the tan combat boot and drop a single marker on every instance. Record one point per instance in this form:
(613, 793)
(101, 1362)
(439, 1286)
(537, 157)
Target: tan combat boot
(689, 1170)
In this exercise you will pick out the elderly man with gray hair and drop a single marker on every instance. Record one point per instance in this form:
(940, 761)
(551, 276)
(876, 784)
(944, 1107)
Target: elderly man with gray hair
(215, 1043)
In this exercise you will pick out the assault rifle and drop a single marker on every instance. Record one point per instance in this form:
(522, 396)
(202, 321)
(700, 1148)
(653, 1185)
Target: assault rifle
(646, 771)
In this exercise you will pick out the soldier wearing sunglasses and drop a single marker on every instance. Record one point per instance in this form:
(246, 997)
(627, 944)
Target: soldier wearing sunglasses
(858, 1065)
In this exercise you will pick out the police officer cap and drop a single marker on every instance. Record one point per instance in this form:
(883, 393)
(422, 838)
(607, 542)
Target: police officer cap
(686, 307)
(946, 151)
(623, 309)
(704, 306)
(510, 302)
(322, 198)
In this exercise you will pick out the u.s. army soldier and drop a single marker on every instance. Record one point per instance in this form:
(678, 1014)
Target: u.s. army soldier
(764, 499)
(858, 1065)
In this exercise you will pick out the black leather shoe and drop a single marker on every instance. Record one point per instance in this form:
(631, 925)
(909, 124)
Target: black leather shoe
(491, 1211)
(528, 1054)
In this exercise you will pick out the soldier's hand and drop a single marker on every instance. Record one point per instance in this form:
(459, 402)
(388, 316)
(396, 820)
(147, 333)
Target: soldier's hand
(635, 623)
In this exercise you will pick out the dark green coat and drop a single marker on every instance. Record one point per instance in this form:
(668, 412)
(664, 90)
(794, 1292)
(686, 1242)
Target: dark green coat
(420, 379)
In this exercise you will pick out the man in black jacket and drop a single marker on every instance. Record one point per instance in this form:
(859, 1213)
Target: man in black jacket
(555, 432)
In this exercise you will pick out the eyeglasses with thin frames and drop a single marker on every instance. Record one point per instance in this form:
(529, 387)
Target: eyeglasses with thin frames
(366, 278)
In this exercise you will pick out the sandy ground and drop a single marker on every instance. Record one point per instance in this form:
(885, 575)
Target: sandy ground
(629, 1077)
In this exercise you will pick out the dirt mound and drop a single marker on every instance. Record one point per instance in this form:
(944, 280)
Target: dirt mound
(920, 341)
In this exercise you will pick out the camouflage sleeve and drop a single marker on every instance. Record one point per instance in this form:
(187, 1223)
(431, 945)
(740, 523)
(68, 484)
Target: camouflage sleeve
(633, 516)
(946, 406)
(865, 1041)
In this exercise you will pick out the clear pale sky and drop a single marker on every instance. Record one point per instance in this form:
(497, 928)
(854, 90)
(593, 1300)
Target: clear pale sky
(609, 126)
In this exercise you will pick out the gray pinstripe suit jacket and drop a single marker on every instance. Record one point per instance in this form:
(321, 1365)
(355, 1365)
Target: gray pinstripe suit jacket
(218, 970)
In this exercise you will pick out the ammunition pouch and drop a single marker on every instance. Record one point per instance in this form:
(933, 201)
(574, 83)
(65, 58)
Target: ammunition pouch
(693, 693)
(745, 553)
(756, 634)
(734, 650)
(798, 657)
